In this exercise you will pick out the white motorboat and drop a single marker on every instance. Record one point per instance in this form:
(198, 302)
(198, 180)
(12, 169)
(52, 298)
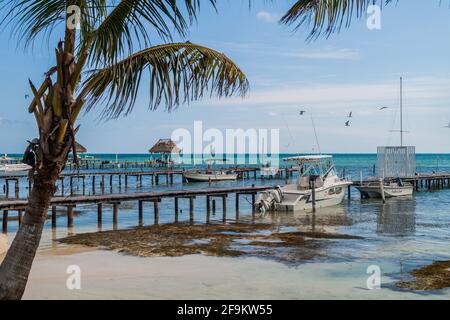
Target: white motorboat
(209, 176)
(20, 167)
(317, 172)
(384, 189)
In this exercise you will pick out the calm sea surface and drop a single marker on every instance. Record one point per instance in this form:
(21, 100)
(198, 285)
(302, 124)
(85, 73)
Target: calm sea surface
(399, 236)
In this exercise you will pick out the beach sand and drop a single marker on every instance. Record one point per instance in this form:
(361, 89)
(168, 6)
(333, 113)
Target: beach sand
(3, 245)
(111, 275)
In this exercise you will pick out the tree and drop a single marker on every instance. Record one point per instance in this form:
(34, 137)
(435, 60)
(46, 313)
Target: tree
(327, 16)
(102, 64)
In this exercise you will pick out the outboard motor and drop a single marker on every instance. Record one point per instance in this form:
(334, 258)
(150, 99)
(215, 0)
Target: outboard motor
(267, 199)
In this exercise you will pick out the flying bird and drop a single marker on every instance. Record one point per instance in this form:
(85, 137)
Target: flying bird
(350, 115)
(302, 112)
(347, 124)
(383, 108)
(27, 96)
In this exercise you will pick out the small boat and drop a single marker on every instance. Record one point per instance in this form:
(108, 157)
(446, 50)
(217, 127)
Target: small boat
(209, 176)
(20, 167)
(317, 173)
(389, 188)
(268, 172)
(385, 189)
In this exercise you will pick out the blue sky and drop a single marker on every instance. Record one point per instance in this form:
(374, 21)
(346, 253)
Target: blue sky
(356, 70)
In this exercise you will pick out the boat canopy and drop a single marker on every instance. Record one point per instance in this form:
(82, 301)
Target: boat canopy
(309, 159)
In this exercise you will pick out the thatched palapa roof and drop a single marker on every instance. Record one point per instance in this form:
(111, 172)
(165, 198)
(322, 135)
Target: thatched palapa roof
(80, 148)
(165, 146)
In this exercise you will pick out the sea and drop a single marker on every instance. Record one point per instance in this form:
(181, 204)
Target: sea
(399, 236)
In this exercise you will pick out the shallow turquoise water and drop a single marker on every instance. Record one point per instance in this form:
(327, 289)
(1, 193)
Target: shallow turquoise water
(399, 236)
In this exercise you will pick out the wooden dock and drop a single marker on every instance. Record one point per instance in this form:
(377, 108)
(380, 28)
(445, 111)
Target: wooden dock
(105, 180)
(210, 195)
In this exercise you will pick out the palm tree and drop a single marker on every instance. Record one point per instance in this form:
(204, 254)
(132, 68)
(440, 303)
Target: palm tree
(101, 64)
(327, 16)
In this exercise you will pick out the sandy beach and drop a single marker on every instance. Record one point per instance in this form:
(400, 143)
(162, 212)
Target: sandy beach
(111, 275)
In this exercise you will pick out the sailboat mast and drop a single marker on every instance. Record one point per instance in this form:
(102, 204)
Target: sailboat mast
(401, 111)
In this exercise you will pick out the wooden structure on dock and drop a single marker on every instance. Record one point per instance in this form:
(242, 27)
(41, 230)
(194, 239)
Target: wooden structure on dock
(166, 148)
(396, 162)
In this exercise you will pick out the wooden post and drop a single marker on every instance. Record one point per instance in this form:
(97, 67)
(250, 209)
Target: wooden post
(208, 209)
(71, 185)
(99, 213)
(224, 208)
(214, 206)
(115, 213)
(5, 221)
(70, 216)
(383, 196)
(156, 212)
(349, 192)
(157, 179)
(84, 185)
(62, 187)
(237, 207)
(191, 210)
(171, 178)
(313, 194)
(253, 203)
(141, 211)
(19, 216)
(17, 188)
(53, 216)
(176, 209)
(103, 184)
(7, 188)
(126, 182)
(93, 184)
(111, 183)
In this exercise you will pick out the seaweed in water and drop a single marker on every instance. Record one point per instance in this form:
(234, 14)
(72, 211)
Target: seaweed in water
(432, 277)
(224, 240)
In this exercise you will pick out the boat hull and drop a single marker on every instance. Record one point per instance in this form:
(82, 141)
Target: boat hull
(389, 191)
(14, 168)
(325, 197)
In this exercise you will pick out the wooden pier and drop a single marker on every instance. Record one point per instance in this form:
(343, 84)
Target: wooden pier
(106, 180)
(210, 195)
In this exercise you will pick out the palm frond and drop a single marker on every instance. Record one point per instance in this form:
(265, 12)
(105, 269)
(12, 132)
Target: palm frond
(29, 19)
(326, 16)
(126, 26)
(178, 73)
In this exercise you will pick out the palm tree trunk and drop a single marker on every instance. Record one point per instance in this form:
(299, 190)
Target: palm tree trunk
(16, 266)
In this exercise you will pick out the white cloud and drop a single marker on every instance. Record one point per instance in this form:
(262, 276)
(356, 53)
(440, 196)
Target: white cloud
(417, 92)
(328, 53)
(268, 17)
(324, 53)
